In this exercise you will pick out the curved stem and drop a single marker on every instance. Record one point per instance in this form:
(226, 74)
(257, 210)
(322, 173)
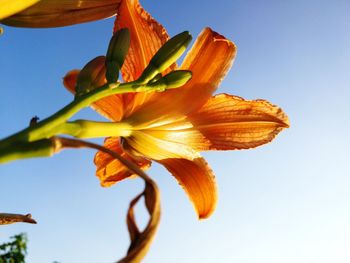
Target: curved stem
(48, 127)
(34, 141)
(24, 150)
(76, 143)
(140, 241)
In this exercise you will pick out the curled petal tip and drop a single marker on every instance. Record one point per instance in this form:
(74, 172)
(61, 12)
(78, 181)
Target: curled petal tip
(215, 35)
(28, 219)
(218, 37)
(286, 123)
(6, 219)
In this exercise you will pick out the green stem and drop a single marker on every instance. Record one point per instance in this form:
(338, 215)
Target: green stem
(24, 150)
(49, 126)
(92, 129)
(34, 141)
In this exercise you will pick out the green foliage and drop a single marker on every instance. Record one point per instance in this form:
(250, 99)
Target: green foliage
(15, 250)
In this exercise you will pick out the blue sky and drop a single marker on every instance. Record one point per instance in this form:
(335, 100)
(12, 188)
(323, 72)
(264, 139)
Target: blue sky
(287, 201)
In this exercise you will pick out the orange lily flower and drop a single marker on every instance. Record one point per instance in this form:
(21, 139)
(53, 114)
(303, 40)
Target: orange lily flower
(55, 13)
(172, 127)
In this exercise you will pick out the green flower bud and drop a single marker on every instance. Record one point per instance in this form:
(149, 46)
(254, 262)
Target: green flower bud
(174, 79)
(116, 53)
(91, 76)
(166, 56)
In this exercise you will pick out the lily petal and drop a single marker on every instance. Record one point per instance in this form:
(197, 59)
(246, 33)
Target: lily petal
(226, 122)
(10, 7)
(144, 144)
(185, 164)
(57, 13)
(110, 107)
(230, 122)
(198, 181)
(109, 170)
(209, 60)
(147, 36)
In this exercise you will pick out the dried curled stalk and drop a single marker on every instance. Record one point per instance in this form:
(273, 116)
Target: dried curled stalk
(140, 241)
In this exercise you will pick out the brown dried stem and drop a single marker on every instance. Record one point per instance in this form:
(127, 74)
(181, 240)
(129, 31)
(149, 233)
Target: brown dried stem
(140, 241)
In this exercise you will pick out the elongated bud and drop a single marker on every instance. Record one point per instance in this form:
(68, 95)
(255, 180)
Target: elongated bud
(166, 56)
(174, 79)
(91, 76)
(116, 53)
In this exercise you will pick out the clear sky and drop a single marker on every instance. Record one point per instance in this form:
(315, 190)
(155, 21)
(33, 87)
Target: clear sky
(288, 201)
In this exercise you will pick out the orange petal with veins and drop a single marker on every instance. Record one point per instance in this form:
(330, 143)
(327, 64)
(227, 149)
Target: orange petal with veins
(198, 181)
(146, 36)
(109, 170)
(57, 13)
(226, 122)
(229, 122)
(110, 107)
(209, 60)
(185, 164)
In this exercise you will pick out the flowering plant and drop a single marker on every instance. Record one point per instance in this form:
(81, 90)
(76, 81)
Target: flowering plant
(157, 111)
